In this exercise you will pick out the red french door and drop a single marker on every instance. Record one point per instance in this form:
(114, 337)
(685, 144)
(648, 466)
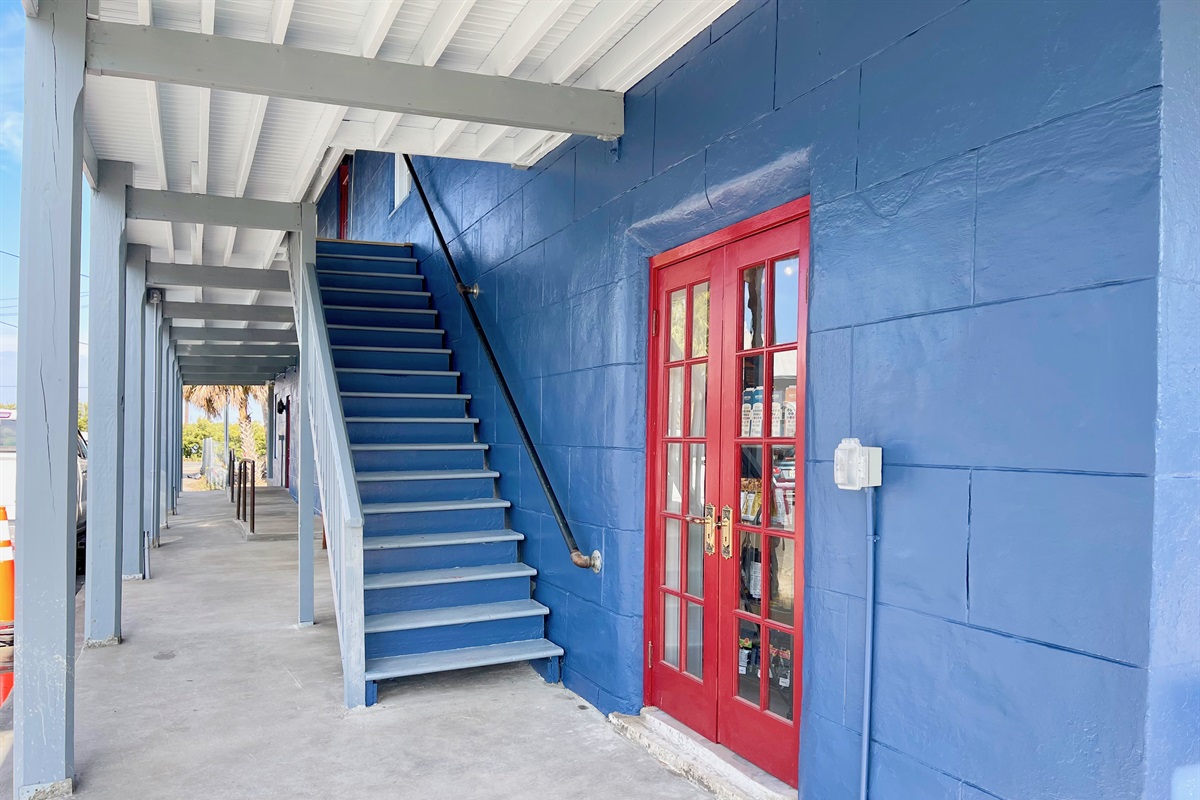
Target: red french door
(725, 485)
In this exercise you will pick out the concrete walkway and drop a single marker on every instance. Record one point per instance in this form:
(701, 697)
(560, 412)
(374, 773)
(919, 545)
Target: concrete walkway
(215, 693)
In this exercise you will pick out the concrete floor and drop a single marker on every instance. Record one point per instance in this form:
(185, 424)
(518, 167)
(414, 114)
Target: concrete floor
(215, 693)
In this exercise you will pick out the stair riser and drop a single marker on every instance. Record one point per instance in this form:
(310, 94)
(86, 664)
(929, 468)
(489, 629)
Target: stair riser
(416, 491)
(409, 432)
(453, 637)
(381, 359)
(419, 558)
(331, 246)
(386, 319)
(473, 519)
(375, 299)
(412, 384)
(368, 338)
(460, 593)
(385, 282)
(402, 407)
(374, 461)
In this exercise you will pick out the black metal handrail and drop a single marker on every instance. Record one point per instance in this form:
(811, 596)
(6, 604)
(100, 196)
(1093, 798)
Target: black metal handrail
(465, 292)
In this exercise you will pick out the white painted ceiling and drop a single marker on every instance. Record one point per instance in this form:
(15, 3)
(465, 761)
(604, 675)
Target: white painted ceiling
(189, 139)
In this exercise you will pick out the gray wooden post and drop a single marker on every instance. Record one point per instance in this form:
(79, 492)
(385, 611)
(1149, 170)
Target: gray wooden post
(47, 394)
(133, 514)
(106, 412)
(156, 425)
(305, 254)
(149, 443)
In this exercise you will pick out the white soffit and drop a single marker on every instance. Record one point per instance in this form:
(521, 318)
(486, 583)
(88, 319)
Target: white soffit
(186, 138)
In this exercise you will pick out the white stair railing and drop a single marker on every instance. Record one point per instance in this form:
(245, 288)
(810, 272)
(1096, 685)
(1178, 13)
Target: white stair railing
(341, 508)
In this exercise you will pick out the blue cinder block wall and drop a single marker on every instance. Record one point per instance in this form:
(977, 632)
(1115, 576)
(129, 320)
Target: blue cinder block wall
(997, 299)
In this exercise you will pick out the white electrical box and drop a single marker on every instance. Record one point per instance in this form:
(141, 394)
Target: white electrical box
(857, 467)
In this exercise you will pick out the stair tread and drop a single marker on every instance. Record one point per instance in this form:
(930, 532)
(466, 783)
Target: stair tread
(353, 257)
(428, 475)
(465, 658)
(416, 540)
(434, 505)
(422, 446)
(422, 420)
(375, 291)
(382, 309)
(342, 326)
(453, 615)
(362, 274)
(438, 350)
(433, 577)
(399, 371)
(409, 395)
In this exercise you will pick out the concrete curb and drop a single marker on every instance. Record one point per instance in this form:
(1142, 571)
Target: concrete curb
(708, 765)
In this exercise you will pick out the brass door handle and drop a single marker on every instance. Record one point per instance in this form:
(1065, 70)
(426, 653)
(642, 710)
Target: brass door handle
(726, 525)
(709, 522)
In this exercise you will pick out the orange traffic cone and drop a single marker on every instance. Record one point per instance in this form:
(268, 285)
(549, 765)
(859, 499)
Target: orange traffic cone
(7, 571)
(7, 585)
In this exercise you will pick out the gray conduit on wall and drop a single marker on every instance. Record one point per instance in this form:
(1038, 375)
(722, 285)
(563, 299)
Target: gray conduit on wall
(869, 650)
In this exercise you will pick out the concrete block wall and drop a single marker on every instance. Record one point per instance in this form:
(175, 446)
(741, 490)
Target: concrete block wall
(987, 305)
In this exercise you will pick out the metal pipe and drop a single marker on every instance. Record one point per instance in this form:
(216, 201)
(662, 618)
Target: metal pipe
(591, 562)
(253, 492)
(869, 650)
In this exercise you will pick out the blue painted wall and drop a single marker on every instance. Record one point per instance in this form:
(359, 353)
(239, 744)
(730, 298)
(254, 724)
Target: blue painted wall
(987, 304)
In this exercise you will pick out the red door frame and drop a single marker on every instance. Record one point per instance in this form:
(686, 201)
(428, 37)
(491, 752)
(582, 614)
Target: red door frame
(344, 199)
(758, 224)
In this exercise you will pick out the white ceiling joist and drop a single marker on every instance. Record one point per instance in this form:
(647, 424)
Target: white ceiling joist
(522, 35)
(212, 210)
(446, 20)
(158, 54)
(281, 15)
(146, 17)
(579, 45)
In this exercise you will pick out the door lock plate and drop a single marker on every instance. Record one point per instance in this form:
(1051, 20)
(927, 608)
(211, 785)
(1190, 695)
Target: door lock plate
(726, 532)
(710, 526)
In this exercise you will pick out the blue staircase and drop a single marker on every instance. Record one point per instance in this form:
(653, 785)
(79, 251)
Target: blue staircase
(443, 585)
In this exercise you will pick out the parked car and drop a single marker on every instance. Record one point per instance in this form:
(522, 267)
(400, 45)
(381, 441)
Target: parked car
(8, 473)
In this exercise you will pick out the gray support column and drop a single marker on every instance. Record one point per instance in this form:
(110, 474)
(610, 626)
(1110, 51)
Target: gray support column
(172, 438)
(47, 395)
(269, 422)
(155, 424)
(178, 438)
(160, 444)
(106, 406)
(305, 254)
(133, 514)
(149, 401)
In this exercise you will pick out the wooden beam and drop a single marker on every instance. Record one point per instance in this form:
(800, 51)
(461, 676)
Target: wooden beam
(267, 280)
(213, 210)
(169, 56)
(185, 350)
(183, 333)
(47, 379)
(237, 363)
(227, 311)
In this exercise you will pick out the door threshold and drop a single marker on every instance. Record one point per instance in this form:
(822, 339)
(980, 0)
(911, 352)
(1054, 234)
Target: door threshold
(707, 764)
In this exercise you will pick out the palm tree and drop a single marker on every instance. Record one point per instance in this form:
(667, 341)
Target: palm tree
(211, 399)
